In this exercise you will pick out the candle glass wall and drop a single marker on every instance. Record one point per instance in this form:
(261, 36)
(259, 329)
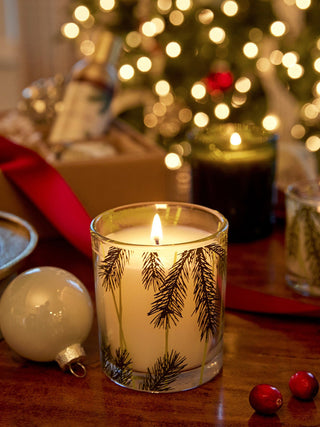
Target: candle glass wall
(233, 169)
(303, 237)
(160, 294)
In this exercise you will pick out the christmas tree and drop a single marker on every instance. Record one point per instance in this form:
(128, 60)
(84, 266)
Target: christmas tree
(191, 63)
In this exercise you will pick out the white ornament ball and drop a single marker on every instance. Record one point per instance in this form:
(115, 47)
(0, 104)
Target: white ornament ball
(45, 314)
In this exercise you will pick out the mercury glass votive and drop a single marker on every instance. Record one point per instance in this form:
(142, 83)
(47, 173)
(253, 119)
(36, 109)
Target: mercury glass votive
(303, 237)
(160, 277)
(233, 169)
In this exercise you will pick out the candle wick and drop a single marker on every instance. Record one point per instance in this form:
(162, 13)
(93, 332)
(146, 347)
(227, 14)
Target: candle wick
(157, 240)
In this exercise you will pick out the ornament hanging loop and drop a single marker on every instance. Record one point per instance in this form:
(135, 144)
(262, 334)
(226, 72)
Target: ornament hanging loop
(78, 369)
(71, 359)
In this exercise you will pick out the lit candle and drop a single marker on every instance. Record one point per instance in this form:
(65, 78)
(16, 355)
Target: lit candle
(150, 294)
(233, 168)
(156, 231)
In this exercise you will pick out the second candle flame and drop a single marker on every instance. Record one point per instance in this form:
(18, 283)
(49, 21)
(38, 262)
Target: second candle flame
(235, 139)
(156, 230)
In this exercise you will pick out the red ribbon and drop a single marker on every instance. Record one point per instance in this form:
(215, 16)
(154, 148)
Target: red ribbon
(244, 299)
(45, 187)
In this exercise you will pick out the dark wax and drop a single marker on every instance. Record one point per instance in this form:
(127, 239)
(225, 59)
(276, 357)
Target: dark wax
(241, 191)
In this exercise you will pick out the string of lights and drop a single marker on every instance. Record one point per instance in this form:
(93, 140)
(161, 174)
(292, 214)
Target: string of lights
(206, 61)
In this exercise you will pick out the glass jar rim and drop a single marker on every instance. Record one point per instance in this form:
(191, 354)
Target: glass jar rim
(303, 191)
(214, 142)
(261, 134)
(161, 205)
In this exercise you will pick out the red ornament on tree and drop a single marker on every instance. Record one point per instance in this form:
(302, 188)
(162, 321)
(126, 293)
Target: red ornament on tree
(217, 82)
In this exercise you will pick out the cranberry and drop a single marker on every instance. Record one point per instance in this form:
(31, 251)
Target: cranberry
(265, 399)
(304, 385)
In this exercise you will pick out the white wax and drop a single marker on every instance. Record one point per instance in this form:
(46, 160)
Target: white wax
(144, 342)
(171, 235)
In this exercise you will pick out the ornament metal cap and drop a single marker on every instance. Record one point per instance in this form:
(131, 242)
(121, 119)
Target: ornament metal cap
(71, 359)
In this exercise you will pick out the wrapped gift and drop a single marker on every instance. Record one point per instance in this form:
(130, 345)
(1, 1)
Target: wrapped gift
(123, 167)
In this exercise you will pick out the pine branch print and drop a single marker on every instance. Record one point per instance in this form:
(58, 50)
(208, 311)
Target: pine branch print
(292, 234)
(206, 295)
(119, 367)
(164, 372)
(153, 273)
(112, 267)
(214, 248)
(312, 239)
(169, 300)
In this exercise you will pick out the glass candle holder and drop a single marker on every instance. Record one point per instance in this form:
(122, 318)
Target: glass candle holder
(233, 169)
(160, 277)
(303, 237)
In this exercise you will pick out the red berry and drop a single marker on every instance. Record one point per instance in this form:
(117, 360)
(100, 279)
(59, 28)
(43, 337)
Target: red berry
(265, 399)
(304, 385)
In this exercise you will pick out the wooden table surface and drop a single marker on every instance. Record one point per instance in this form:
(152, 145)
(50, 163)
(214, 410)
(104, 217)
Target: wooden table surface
(258, 348)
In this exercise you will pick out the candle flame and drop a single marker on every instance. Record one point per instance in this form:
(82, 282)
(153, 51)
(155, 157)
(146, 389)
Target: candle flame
(156, 230)
(235, 139)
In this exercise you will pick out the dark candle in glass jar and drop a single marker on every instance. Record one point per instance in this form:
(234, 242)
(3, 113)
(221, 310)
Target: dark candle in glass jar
(233, 170)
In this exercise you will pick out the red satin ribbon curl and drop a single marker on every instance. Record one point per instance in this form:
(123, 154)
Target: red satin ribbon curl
(50, 193)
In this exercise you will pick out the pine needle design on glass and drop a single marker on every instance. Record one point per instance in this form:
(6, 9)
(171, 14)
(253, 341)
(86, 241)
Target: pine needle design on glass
(169, 300)
(206, 294)
(164, 372)
(117, 366)
(306, 222)
(153, 272)
(170, 292)
(168, 305)
(112, 267)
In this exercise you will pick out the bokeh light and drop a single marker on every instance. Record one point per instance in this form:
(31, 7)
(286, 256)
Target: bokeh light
(173, 161)
(148, 29)
(164, 5)
(81, 13)
(278, 28)
(229, 7)
(185, 115)
(176, 17)
(184, 4)
(70, 30)
(217, 35)
(126, 72)
(270, 122)
(107, 5)
(243, 84)
(201, 119)
(296, 71)
(298, 131)
(289, 59)
(144, 64)
(87, 47)
(198, 90)
(162, 88)
(303, 4)
(222, 111)
(313, 143)
(159, 24)
(250, 50)
(276, 57)
(173, 49)
(206, 16)
(133, 39)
